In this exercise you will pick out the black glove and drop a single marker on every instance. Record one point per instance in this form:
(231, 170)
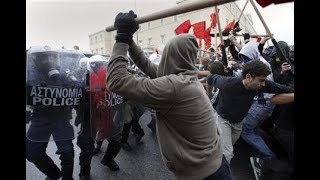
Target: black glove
(126, 26)
(236, 27)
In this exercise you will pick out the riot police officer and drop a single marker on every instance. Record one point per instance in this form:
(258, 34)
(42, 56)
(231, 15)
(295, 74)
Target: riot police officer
(51, 94)
(103, 117)
(84, 140)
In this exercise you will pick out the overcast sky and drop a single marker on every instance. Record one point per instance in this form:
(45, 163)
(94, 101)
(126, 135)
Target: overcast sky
(67, 23)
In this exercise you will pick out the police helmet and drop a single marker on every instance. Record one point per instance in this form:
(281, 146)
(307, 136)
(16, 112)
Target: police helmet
(96, 61)
(44, 57)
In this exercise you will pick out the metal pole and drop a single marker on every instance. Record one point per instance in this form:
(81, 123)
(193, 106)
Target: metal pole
(261, 19)
(243, 10)
(184, 8)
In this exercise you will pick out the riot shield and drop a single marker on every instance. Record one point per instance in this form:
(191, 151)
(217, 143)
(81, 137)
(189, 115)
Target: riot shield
(105, 106)
(54, 95)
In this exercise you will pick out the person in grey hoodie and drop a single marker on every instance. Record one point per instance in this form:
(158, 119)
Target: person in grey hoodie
(186, 129)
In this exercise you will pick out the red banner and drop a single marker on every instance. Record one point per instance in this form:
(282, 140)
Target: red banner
(183, 27)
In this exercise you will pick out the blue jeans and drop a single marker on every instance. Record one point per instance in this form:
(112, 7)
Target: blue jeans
(223, 173)
(256, 115)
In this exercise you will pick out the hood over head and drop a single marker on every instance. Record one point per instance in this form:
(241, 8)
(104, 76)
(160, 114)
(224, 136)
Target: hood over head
(284, 48)
(179, 56)
(250, 50)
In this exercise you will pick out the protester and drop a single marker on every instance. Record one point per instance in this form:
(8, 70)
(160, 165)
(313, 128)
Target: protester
(186, 129)
(235, 98)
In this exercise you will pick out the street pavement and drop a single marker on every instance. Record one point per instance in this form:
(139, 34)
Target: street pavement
(142, 163)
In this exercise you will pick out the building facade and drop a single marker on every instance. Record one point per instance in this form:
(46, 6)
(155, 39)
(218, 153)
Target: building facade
(155, 34)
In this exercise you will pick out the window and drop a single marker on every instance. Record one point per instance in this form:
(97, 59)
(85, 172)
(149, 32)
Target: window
(227, 20)
(175, 18)
(102, 51)
(163, 38)
(91, 40)
(100, 37)
(148, 25)
(97, 51)
(161, 22)
(140, 42)
(96, 38)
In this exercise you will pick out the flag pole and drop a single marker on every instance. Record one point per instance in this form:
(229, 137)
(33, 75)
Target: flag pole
(219, 27)
(223, 48)
(183, 8)
(216, 38)
(243, 10)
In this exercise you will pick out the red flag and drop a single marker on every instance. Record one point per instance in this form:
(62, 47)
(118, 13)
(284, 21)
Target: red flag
(264, 3)
(199, 29)
(228, 28)
(183, 27)
(214, 21)
(207, 38)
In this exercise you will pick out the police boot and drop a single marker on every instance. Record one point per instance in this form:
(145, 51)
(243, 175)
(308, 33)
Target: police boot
(138, 132)
(47, 166)
(85, 164)
(108, 158)
(152, 124)
(84, 177)
(97, 148)
(67, 160)
(125, 135)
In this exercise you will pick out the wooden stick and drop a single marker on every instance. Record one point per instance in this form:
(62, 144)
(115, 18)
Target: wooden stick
(184, 8)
